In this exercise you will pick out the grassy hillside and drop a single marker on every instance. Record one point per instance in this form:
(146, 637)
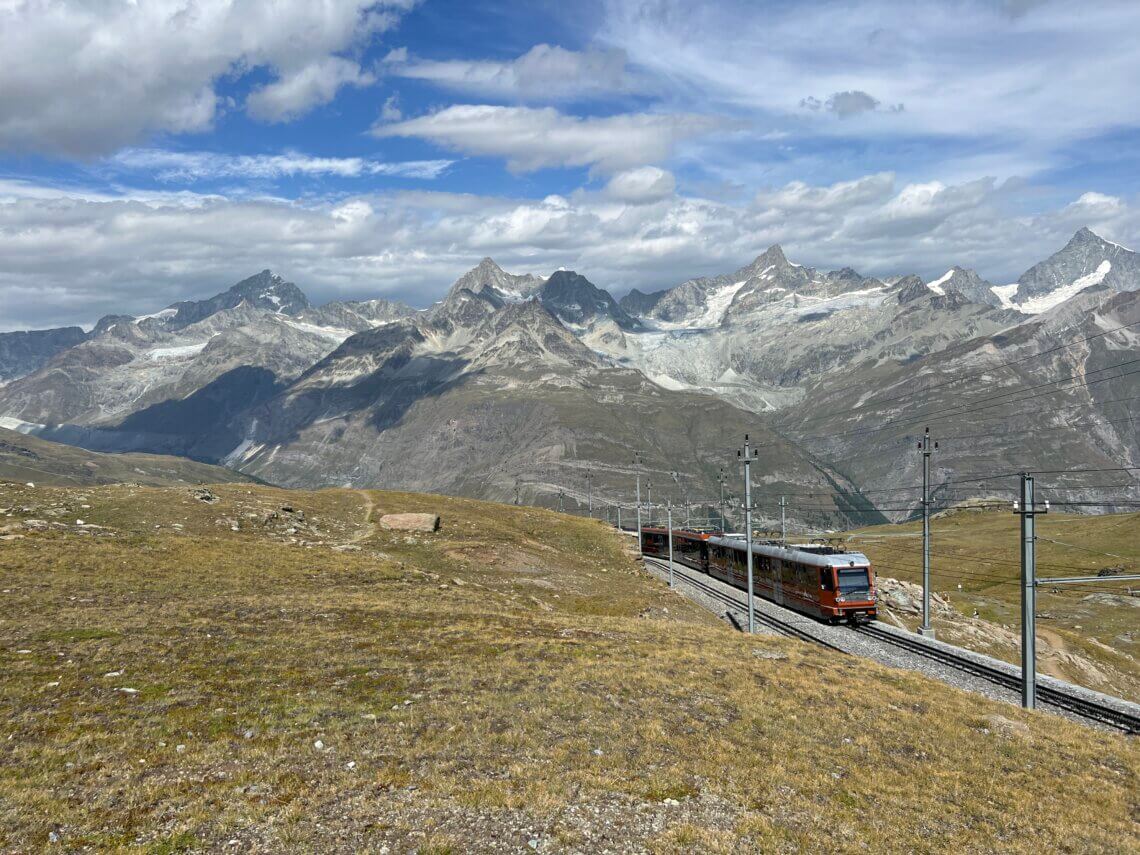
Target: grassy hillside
(274, 671)
(1086, 634)
(28, 458)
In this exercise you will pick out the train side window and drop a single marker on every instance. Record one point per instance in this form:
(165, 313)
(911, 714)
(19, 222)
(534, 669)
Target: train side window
(825, 580)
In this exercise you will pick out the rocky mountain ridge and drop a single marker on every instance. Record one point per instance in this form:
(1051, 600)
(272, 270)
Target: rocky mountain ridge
(541, 379)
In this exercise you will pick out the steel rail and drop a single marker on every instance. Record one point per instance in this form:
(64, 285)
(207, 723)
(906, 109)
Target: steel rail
(783, 627)
(1083, 707)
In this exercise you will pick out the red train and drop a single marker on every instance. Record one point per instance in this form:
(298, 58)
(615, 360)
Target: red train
(821, 581)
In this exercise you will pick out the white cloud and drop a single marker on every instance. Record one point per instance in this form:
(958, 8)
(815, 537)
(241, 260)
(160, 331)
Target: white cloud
(845, 195)
(70, 257)
(297, 92)
(1017, 78)
(532, 139)
(202, 165)
(82, 78)
(391, 112)
(638, 186)
(544, 72)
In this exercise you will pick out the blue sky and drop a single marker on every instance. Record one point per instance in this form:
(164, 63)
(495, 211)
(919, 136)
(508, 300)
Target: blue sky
(161, 150)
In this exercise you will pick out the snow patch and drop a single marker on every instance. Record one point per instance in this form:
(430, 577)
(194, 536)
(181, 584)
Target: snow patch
(667, 382)
(716, 304)
(244, 449)
(162, 315)
(936, 285)
(160, 353)
(337, 334)
(18, 425)
(1045, 302)
(1005, 293)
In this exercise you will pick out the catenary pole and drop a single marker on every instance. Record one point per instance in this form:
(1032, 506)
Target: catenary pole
(669, 511)
(925, 447)
(1027, 509)
(747, 454)
(783, 521)
(637, 469)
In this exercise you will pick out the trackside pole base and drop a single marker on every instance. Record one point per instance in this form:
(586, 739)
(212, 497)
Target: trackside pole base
(926, 631)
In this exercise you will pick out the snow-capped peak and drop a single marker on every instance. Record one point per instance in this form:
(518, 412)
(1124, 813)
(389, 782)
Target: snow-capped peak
(936, 285)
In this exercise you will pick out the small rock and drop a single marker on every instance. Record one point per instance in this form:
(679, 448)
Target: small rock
(597, 752)
(775, 655)
(1006, 727)
(127, 690)
(52, 836)
(410, 522)
(671, 802)
(320, 746)
(181, 749)
(351, 764)
(249, 733)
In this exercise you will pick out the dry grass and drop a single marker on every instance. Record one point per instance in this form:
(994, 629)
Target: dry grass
(1085, 637)
(513, 679)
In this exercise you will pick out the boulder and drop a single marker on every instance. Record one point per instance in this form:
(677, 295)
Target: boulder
(410, 522)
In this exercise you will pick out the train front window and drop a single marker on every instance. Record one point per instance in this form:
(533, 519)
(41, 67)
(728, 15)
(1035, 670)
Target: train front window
(853, 580)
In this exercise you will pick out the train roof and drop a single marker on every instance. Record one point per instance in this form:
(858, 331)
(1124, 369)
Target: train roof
(796, 553)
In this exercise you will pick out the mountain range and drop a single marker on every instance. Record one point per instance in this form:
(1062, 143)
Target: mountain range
(540, 386)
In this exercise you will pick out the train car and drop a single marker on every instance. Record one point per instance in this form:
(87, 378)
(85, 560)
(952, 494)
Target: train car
(820, 581)
(689, 547)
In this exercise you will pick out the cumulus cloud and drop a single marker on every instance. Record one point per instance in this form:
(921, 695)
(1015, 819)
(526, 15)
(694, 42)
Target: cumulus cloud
(71, 257)
(533, 139)
(638, 186)
(83, 79)
(545, 71)
(203, 165)
(297, 92)
(844, 195)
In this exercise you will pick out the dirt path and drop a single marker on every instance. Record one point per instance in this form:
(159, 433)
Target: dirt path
(369, 526)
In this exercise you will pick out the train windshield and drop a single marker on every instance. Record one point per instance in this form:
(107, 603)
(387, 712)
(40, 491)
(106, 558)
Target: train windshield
(853, 581)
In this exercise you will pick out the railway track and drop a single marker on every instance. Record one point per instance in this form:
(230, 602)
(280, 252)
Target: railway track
(783, 627)
(1083, 707)
(1077, 705)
